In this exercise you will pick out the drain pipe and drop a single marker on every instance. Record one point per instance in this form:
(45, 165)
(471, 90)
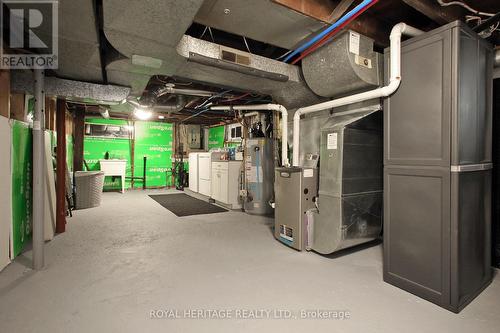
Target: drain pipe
(170, 89)
(270, 107)
(395, 79)
(178, 106)
(39, 171)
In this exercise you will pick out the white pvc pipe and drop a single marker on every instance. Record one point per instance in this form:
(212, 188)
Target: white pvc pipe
(39, 171)
(395, 79)
(270, 107)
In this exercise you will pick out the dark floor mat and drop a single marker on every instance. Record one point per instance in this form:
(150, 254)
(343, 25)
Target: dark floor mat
(183, 205)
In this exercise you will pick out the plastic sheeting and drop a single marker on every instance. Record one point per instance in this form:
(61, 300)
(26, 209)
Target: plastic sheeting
(50, 190)
(5, 185)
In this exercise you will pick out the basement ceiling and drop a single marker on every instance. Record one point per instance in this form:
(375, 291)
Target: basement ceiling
(78, 41)
(262, 20)
(154, 28)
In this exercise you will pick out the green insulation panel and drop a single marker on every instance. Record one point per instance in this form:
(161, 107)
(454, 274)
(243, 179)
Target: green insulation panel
(95, 149)
(22, 191)
(153, 140)
(216, 137)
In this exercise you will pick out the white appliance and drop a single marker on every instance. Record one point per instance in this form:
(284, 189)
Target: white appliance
(225, 189)
(205, 171)
(114, 167)
(193, 171)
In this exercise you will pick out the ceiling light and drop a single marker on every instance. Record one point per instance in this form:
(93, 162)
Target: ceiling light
(142, 114)
(161, 117)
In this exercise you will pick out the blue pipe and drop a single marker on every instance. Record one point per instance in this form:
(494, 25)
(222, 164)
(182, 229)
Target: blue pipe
(325, 32)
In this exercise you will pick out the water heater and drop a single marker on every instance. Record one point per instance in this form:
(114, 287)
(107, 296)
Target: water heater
(259, 174)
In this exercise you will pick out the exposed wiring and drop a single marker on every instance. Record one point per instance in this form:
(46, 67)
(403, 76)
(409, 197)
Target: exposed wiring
(211, 34)
(469, 18)
(328, 37)
(204, 31)
(325, 32)
(464, 5)
(246, 44)
(237, 98)
(487, 33)
(284, 55)
(211, 98)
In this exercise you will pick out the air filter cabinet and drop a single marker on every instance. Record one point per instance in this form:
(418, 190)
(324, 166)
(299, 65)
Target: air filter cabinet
(437, 173)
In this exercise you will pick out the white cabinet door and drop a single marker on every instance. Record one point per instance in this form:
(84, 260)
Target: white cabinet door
(215, 184)
(224, 183)
(193, 172)
(204, 166)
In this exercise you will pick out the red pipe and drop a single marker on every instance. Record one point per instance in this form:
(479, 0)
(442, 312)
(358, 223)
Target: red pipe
(327, 38)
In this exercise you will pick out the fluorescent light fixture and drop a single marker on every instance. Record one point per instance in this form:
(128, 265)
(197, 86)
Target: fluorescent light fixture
(142, 114)
(161, 117)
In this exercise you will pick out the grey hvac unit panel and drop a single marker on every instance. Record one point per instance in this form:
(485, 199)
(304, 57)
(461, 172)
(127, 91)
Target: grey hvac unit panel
(349, 61)
(437, 198)
(259, 171)
(295, 190)
(350, 182)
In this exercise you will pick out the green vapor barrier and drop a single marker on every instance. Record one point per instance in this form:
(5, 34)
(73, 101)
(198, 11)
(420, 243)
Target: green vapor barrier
(152, 139)
(155, 141)
(22, 191)
(216, 137)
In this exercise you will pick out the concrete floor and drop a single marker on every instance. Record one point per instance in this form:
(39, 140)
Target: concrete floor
(118, 262)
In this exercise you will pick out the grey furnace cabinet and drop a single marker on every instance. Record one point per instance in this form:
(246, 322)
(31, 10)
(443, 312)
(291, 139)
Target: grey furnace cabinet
(437, 168)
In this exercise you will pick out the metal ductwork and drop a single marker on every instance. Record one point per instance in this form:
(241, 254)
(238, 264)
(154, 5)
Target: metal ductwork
(349, 62)
(206, 62)
(22, 81)
(350, 181)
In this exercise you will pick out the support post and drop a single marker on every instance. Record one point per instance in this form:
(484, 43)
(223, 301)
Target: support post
(39, 171)
(144, 173)
(61, 166)
(78, 139)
